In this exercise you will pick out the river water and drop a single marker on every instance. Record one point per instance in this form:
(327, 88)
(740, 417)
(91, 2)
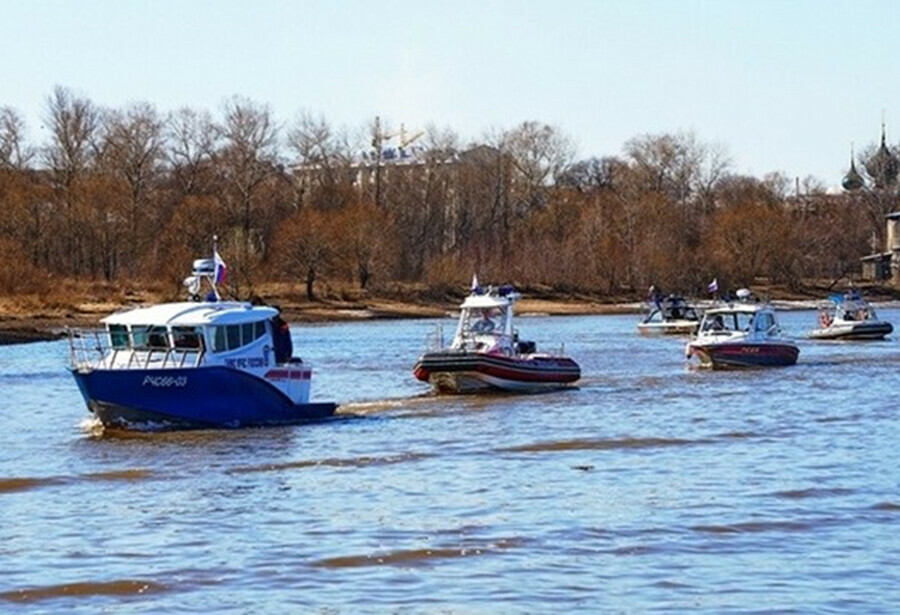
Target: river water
(651, 487)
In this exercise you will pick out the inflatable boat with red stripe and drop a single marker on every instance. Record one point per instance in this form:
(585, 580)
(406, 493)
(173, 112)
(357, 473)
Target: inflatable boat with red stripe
(486, 352)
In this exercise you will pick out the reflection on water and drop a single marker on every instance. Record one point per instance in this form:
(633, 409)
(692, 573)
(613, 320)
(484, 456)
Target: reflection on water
(651, 486)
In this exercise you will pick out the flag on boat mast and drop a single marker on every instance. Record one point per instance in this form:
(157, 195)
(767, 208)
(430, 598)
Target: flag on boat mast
(221, 269)
(713, 286)
(474, 282)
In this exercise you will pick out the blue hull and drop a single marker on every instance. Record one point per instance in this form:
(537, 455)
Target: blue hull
(192, 398)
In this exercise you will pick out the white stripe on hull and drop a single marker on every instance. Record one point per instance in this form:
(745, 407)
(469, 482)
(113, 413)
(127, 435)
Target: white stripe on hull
(471, 382)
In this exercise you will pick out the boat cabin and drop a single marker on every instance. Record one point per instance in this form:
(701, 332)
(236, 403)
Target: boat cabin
(748, 320)
(192, 334)
(486, 321)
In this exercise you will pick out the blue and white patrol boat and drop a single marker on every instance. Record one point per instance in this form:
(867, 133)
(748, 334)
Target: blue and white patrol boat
(195, 364)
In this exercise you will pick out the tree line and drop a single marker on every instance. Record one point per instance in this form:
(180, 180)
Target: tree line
(134, 194)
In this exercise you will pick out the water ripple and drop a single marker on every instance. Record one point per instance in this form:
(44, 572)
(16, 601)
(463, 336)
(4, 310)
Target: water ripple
(10, 485)
(418, 557)
(355, 462)
(801, 494)
(598, 444)
(122, 587)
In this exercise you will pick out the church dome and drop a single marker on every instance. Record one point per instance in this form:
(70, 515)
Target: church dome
(852, 180)
(883, 166)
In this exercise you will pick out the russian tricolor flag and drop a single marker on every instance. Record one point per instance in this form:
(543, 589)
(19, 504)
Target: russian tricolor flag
(221, 268)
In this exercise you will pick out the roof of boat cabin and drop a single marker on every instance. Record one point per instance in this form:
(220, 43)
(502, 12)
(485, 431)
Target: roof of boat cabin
(486, 301)
(743, 308)
(192, 314)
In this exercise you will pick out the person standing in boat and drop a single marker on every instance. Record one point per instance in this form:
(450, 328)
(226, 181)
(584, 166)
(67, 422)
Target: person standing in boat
(654, 297)
(485, 324)
(281, 338)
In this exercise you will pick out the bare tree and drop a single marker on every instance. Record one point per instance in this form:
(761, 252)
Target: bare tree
(539, 153)
(15, 152)
(73, 124)
(249, 158)
(192, 139)
(133, 153)
(322, 175)
(306, 247)
(678, 165)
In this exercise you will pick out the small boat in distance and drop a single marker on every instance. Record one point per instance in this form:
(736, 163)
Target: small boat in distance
(194, 364)
(850, 317)
(671, 315)
(741, 334)
(486, 353)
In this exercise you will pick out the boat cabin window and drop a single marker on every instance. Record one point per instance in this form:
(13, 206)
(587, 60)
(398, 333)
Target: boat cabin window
(231, 337)
(247, 332)
(118, 336)
(144, 337)
(482, 321)
(764, 322)
(186, 337)
(735, 321)
(139, 336)
(219, 344)
(157, 338)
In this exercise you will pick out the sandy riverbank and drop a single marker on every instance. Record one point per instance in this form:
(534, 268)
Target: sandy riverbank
(22, 327)
(32, 319)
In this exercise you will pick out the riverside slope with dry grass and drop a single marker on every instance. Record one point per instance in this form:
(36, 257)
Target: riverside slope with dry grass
(29, 318)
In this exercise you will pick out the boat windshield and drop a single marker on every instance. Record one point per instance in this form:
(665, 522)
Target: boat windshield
(147, 337)
(855, 310)
(728, 322)
(484, 321)
(154, 337)
(678, 309)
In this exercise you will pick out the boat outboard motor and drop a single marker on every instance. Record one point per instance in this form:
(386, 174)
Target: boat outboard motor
(525, 347)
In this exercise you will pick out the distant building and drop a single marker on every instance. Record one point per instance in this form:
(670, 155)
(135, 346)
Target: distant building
(882, 167)
(883, 266)
(882, 170)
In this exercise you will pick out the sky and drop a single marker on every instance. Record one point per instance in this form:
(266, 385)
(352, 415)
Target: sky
(782, 85)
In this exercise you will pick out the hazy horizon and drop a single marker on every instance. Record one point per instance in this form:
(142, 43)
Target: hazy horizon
(782, 86)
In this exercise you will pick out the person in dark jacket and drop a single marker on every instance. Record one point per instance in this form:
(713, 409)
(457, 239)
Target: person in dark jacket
(281, 339)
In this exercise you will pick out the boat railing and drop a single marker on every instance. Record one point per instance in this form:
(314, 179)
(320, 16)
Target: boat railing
(435, 339)
(91, 349)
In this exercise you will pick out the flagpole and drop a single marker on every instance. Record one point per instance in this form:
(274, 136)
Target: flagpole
(215, 275)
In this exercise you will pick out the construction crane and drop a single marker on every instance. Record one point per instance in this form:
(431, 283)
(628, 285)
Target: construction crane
(378, 139)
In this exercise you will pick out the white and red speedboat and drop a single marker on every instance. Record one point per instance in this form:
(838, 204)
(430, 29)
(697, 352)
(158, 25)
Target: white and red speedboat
(486, 352)
(741, 334)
